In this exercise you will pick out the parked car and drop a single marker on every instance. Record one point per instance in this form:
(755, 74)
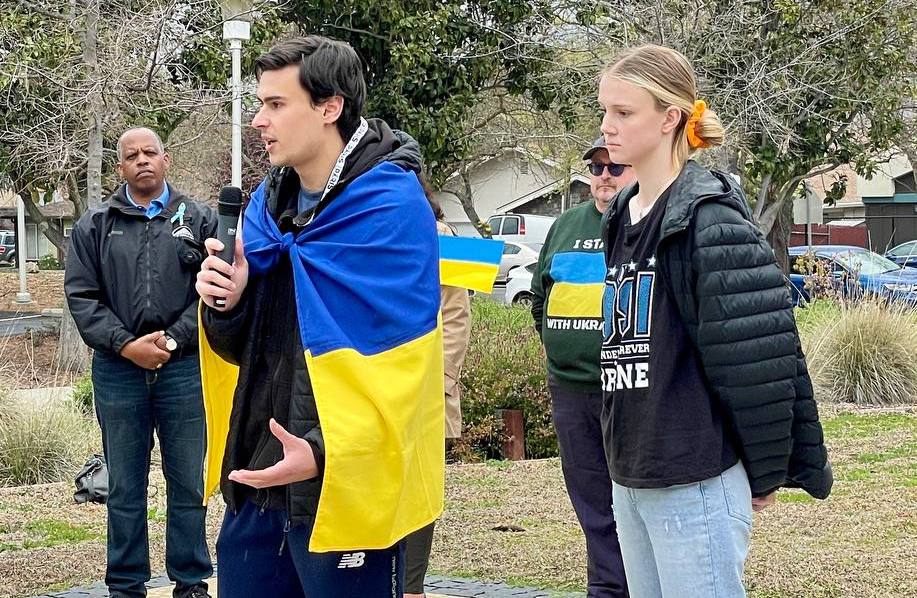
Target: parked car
(904, 254)
(519, 285)
(514, 254)
(856, 271)
(7, 247)
(464, 229)
(520, 228)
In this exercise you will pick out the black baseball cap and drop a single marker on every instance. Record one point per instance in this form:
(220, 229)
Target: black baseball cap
(596, 146)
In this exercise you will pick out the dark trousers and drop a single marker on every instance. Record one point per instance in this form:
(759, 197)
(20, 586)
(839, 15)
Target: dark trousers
(577, 419)
(130, 404)
(418, 546)
(258, 558)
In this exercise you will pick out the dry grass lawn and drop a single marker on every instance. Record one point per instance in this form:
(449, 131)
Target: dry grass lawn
(860, 542)
(46, 288)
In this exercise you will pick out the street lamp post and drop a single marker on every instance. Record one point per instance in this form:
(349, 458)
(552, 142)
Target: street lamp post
(236, 29)
(23, 296)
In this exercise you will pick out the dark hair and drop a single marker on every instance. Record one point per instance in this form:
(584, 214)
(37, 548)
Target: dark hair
(327, 68)
(429, 192)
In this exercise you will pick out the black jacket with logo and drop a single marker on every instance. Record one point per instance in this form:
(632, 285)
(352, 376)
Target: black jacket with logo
(735, 304)
(127, 275)
(261, 335)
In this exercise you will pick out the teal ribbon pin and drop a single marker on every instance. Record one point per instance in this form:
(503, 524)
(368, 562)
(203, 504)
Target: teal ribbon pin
(180, 215)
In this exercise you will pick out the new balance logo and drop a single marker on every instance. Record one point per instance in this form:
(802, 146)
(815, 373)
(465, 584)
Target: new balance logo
(352, 560)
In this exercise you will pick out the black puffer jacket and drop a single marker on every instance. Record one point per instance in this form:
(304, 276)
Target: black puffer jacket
(735, 304)
(261, 335)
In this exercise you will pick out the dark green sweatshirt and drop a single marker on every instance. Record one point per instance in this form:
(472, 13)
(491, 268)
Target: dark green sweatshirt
(567, 307)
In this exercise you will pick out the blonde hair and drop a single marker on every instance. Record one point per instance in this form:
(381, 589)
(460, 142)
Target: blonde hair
(667, 75)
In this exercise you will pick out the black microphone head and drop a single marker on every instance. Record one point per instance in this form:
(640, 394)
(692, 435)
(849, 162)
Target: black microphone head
(230, 202)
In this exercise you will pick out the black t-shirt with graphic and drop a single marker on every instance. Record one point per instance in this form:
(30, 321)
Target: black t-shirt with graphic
(661, 425)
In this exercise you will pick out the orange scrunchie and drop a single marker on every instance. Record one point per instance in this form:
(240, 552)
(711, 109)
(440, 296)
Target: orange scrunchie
(691, 127)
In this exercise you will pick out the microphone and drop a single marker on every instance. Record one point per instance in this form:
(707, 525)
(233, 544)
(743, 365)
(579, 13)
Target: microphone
(229, 206)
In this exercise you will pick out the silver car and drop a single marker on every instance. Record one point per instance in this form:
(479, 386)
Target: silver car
(514, 254)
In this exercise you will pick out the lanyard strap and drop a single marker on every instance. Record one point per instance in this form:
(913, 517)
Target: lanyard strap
(348, 149)
(339, 165)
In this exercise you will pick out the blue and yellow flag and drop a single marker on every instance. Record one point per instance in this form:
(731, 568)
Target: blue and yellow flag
(469, 263)
(367, 293)
(579, 281)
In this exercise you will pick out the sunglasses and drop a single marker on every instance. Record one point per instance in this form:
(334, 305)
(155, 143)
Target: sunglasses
(613, 169)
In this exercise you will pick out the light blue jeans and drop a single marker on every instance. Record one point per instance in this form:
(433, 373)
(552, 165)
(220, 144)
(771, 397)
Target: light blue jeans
(684, 541)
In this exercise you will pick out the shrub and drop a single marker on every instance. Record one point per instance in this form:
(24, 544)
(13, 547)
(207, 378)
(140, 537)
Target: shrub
(49, 262)
(816, 314)
(82, 395)
(504, 369)
(821, 283)
(9, 407)
(864, 354)
(43, 443)
(480, 439)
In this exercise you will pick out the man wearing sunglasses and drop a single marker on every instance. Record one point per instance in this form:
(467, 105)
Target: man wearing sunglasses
(567, 288)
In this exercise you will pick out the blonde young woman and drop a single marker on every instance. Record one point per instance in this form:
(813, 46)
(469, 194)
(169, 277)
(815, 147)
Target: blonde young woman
(708, 406)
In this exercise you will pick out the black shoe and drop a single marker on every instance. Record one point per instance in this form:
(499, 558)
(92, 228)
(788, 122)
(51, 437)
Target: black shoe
(199, 591)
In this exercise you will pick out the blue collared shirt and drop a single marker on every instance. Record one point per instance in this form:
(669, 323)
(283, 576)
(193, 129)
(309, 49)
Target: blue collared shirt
(156, 206)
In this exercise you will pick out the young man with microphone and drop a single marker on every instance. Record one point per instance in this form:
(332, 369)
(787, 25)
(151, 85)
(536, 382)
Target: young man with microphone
(129, 283)
(335, 444)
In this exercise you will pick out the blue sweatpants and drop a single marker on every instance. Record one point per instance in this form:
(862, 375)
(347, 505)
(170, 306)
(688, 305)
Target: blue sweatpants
(255, 561)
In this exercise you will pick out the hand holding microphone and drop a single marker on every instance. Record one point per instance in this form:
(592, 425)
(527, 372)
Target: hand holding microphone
(224, 273)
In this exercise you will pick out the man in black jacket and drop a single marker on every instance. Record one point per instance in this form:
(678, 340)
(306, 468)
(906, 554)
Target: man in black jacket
(129, 283)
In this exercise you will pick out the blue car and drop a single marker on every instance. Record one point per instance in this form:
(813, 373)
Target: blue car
(878, 276)
(904, 254)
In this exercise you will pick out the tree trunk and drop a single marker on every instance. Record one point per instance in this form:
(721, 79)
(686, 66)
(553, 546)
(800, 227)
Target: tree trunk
(775, 216)
(466, 197)
(911, 153)
(732, 162)
(94, 149)
(72, 354)
(779, 236)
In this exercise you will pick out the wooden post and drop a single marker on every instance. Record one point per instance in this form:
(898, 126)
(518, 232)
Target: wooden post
(514, 445)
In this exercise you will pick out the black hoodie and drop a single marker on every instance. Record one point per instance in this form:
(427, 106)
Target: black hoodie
(261, 335)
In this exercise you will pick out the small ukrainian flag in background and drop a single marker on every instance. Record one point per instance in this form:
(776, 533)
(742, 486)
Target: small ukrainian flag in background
(469, 263)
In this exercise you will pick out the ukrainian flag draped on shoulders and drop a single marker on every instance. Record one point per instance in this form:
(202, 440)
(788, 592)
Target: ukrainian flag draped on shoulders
(366, 280)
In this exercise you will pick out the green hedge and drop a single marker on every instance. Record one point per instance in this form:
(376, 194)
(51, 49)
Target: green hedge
(504, 369)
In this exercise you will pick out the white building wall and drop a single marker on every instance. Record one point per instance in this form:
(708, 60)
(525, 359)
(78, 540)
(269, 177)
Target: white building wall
(882, 183)
(498, 183)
